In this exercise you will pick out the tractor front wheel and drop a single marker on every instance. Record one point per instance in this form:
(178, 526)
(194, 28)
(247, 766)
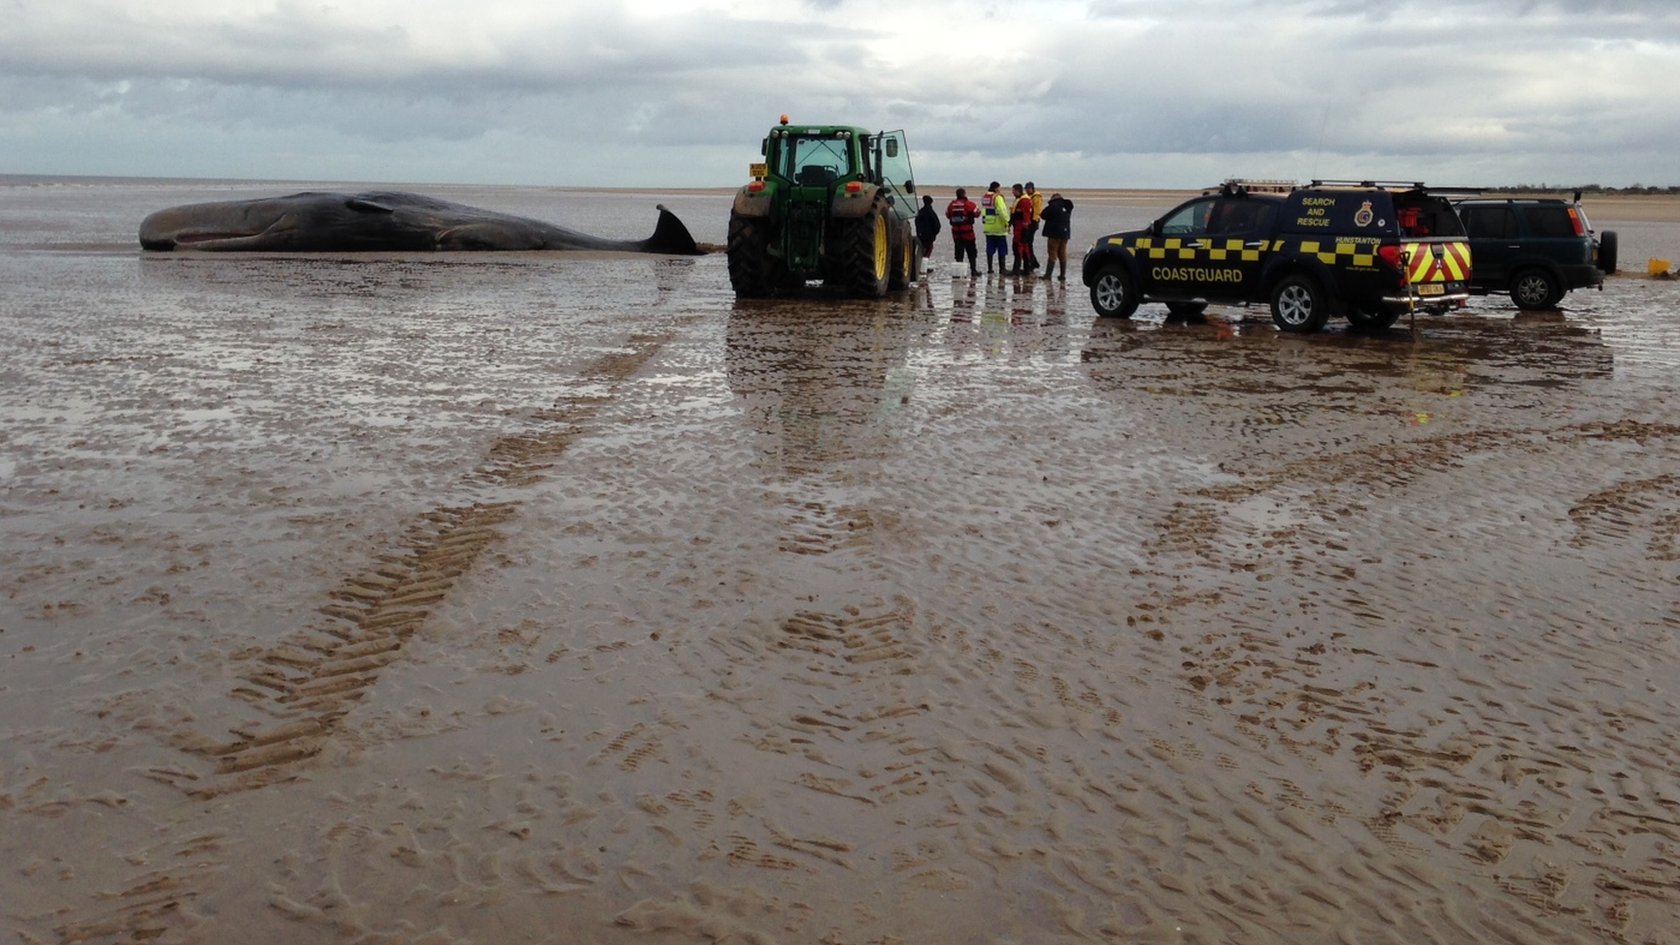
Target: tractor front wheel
(865, 253)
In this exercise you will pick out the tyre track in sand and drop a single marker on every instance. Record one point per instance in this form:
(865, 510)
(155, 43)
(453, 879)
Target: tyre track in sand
(1519, 785)
(310, 681)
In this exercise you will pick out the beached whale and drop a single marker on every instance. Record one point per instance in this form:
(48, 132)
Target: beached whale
(378, 220)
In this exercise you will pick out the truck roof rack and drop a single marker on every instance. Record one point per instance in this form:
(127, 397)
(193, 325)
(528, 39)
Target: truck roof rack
(1384, 184)
(1253, 185)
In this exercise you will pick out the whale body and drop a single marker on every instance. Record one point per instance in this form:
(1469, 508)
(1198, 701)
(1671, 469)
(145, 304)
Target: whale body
(379, 220)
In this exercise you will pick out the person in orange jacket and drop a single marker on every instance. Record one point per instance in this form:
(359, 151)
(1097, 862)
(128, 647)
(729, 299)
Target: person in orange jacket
(1032, 226)
(1021, 217)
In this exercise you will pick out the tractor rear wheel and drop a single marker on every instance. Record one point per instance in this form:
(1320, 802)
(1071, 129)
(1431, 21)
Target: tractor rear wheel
(753, 271)
(905, 258)
(864, 253)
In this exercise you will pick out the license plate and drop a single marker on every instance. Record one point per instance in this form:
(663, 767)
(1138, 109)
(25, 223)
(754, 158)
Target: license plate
(759, 171)
(1432, 288)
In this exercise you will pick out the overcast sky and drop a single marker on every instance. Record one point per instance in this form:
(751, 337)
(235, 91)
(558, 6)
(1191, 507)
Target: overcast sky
(1110, 93)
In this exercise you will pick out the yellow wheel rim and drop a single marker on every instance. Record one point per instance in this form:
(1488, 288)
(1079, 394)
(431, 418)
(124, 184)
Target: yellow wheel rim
(880, 247)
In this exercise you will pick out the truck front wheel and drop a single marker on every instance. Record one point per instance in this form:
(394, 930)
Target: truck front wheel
(1113, 294)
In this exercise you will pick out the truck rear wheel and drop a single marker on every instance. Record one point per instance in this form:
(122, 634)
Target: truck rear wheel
(1298, 304)
(752, 270)
(1378, 320)
(865, 252)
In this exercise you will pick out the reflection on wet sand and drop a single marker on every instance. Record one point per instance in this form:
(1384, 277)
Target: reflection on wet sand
(814, 383)
(1223, 353)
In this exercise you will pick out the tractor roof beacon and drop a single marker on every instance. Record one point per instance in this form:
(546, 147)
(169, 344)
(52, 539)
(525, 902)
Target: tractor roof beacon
(828, 202)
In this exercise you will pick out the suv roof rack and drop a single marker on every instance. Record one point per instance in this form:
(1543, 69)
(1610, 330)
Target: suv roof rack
(1458, 192)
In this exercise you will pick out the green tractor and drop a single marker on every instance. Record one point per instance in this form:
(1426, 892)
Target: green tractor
(828, 202)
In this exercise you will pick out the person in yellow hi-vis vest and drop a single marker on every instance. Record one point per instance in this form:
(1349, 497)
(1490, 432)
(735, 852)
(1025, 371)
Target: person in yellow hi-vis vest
(994, 219)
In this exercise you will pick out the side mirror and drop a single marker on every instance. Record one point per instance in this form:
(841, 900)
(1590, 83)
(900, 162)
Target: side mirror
(909, 186)
(764, 146)
(892, 147)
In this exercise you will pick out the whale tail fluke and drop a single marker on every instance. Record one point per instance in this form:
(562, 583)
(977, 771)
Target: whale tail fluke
(670, 236)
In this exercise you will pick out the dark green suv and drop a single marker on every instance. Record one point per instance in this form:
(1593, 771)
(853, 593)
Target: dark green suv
(1536, 248)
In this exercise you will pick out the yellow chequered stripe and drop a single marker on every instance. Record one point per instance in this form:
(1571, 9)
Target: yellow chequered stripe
(1340, 253)
(1453, 265)
(1179, 249)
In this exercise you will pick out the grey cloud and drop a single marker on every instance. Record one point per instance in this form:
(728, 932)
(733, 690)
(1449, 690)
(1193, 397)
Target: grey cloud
(286, 49)
(1230, 85)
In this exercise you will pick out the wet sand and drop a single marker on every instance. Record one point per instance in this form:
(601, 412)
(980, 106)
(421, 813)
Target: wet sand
(566, 599)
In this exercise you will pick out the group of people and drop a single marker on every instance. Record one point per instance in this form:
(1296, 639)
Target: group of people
(1006, 224)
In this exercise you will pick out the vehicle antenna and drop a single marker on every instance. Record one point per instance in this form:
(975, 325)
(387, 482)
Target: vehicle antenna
(1318, 147)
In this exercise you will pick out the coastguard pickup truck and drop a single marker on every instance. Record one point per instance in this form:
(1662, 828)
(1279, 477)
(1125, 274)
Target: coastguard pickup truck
(1366, 251)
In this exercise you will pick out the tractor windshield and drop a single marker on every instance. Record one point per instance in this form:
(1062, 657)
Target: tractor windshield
(818, 161)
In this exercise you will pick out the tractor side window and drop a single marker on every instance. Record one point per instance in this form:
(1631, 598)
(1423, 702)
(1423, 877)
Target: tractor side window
(895, 162)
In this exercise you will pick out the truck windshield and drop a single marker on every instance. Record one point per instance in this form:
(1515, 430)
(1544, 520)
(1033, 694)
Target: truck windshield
(818, 160)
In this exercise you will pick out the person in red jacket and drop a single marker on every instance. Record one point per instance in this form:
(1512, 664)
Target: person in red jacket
(962, 212)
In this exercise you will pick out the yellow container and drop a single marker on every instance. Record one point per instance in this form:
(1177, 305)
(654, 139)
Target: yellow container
(1658, 267)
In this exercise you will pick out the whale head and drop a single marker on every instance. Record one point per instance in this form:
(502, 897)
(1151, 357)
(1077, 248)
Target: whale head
(269, 223)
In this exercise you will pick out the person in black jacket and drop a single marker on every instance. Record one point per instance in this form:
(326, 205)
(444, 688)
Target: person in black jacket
(1058, 229)
(927, 230)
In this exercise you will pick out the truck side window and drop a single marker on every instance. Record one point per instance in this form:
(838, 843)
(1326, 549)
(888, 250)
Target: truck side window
(1238, 215)
(1189, 220)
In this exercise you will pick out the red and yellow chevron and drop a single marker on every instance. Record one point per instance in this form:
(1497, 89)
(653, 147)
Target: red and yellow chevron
(1452, 265)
